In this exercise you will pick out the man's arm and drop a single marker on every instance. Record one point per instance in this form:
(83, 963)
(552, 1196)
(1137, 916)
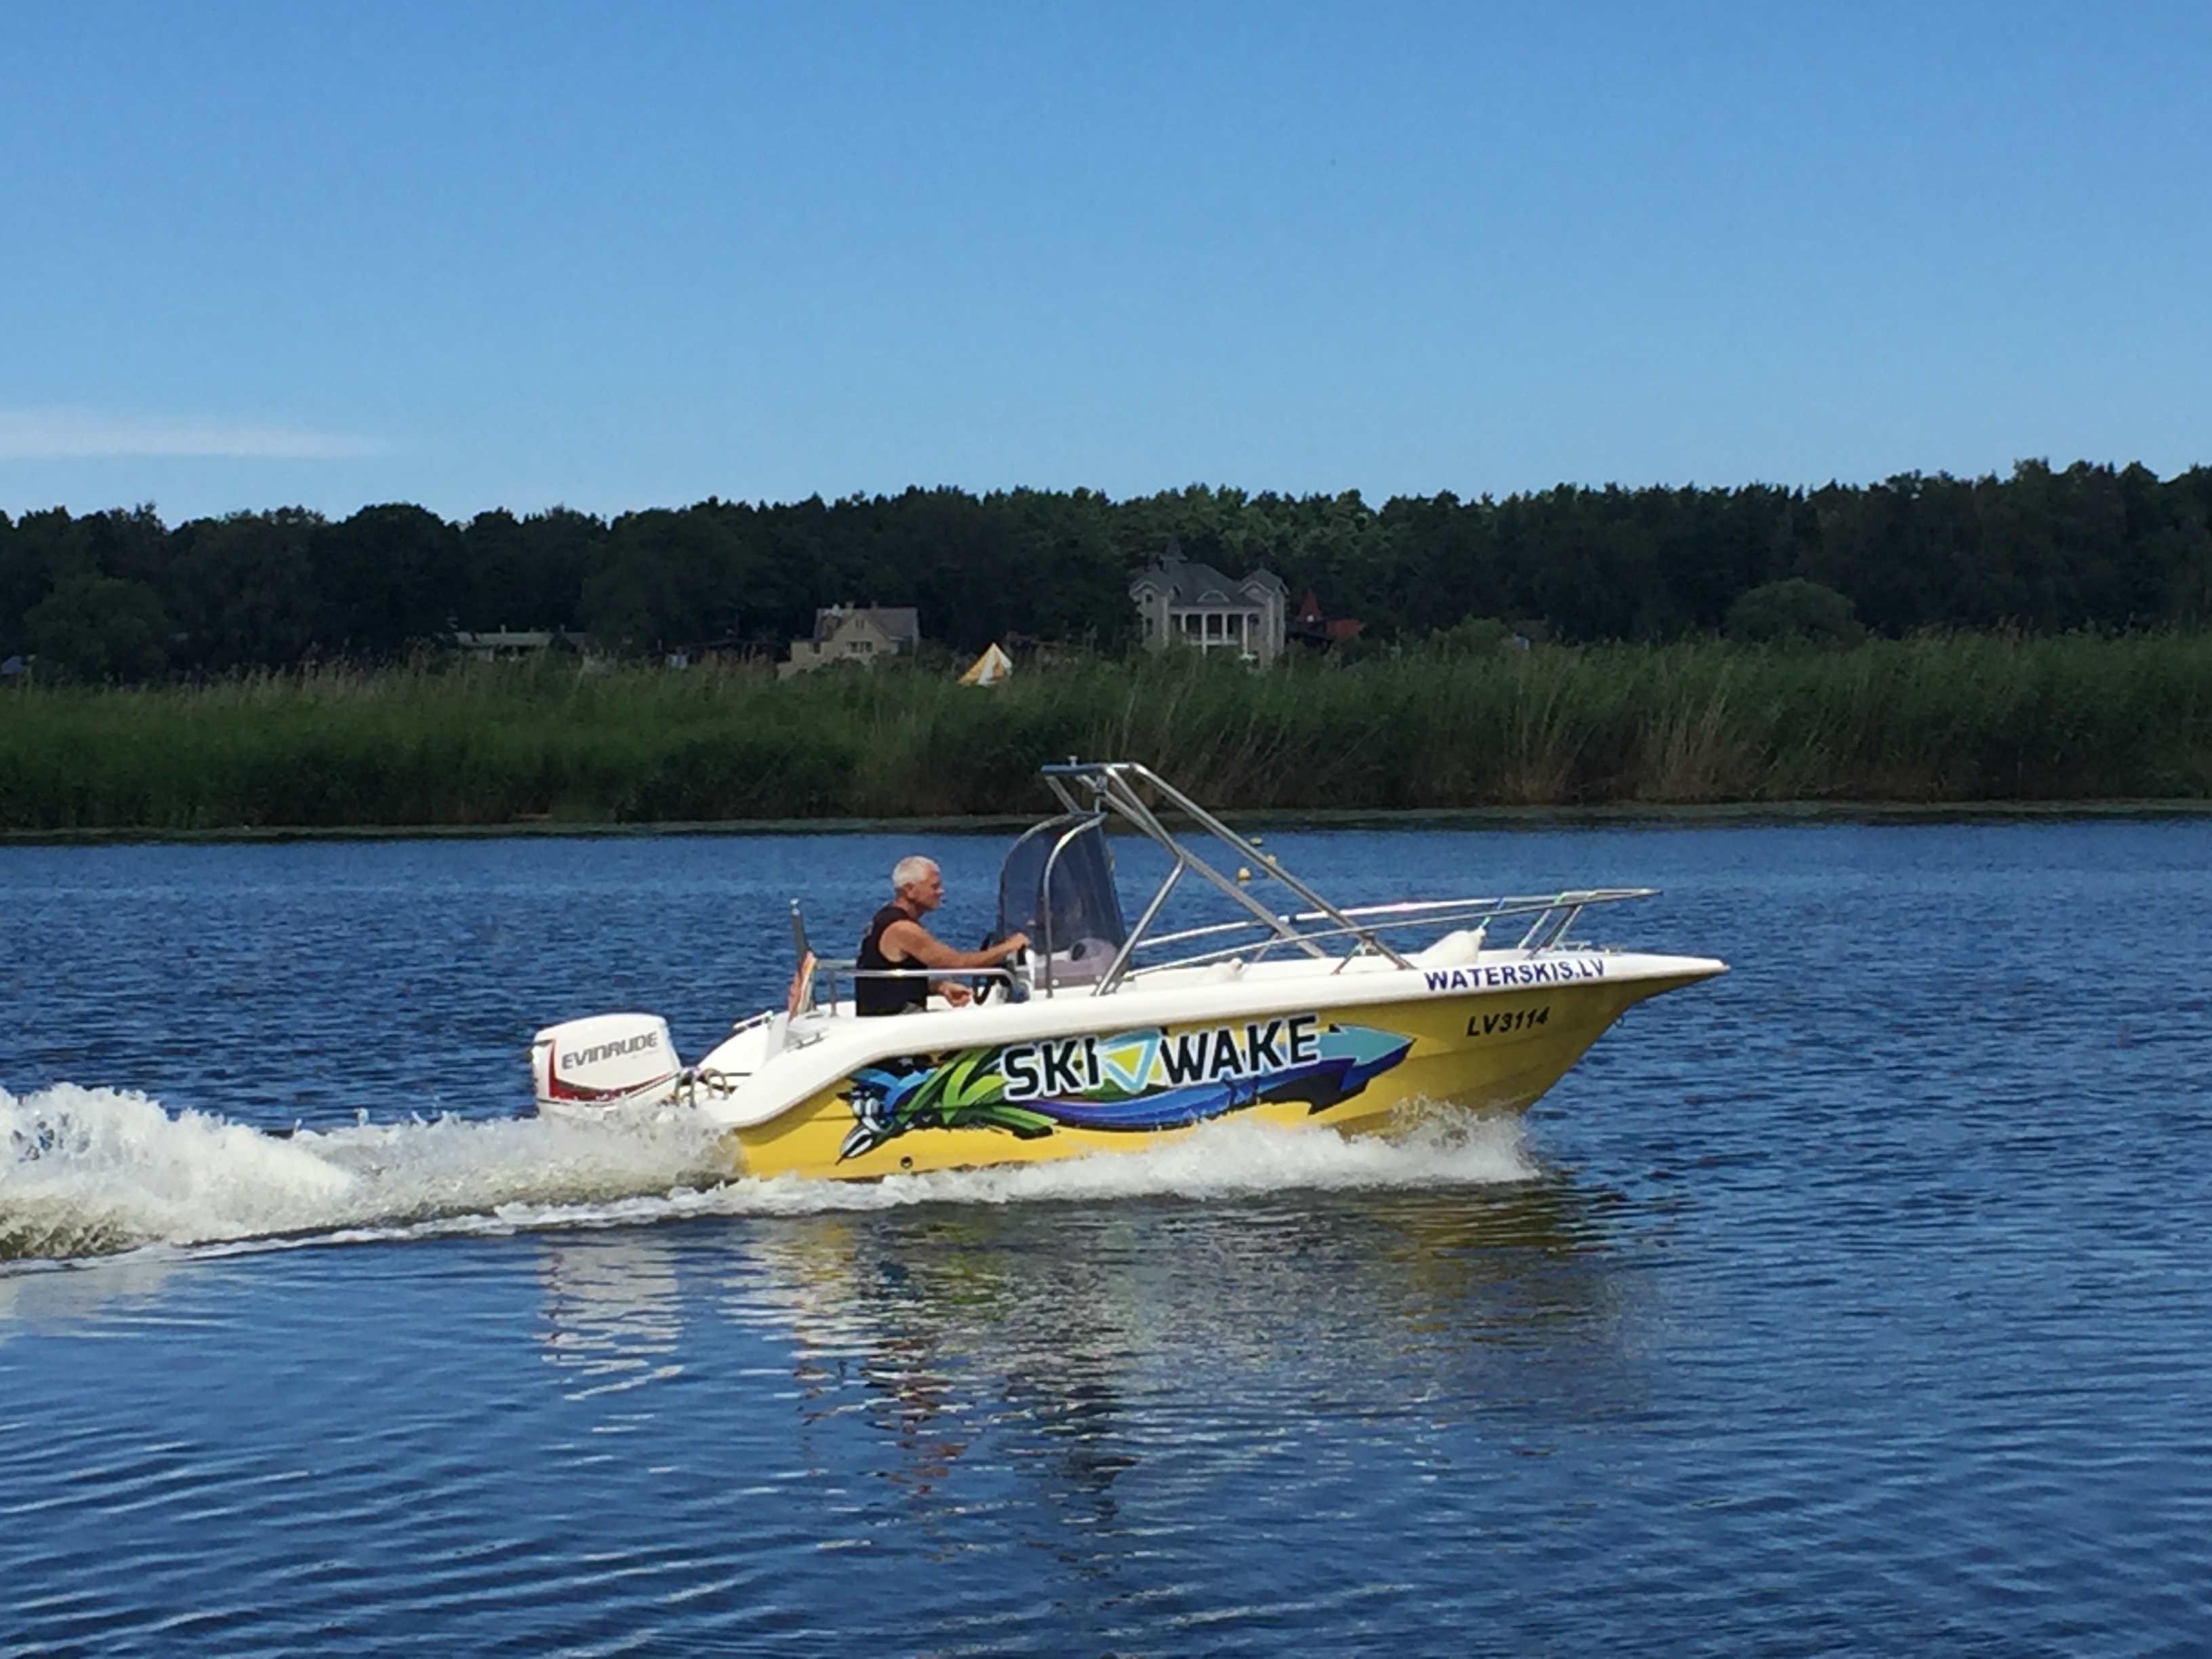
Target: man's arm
(909, 941)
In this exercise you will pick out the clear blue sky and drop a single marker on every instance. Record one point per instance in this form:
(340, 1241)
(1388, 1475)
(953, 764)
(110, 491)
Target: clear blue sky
(636, 254)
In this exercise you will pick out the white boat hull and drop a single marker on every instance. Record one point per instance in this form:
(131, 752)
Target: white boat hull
(1358, 1048)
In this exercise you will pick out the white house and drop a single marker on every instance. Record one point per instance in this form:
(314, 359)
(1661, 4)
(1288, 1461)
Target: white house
(857, 634)
(1185, 600)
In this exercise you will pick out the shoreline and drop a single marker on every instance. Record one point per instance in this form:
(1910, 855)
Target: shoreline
(1703, 732)
(1657, 815)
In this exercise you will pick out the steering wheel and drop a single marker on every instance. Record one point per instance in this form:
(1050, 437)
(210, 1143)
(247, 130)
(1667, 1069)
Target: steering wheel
(984, 986)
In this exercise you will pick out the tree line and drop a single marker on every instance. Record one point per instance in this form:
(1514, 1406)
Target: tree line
(122, 597)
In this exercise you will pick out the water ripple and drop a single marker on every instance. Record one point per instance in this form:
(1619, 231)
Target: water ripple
(1855, 1302)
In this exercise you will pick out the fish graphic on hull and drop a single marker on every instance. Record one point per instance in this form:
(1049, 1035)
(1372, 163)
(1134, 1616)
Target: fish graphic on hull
(1131, 1082)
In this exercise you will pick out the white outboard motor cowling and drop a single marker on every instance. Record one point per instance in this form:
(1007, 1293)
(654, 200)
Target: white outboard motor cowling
(589, 1066)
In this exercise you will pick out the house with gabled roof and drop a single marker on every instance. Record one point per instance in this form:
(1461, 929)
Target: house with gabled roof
(854, 634)
(1189, 601)
(1316, 629)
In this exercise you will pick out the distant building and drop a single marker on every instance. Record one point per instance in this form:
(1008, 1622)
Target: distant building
(727, 656)
(1315, 629)
(855, 634)
(1185, 600)
(511, 641)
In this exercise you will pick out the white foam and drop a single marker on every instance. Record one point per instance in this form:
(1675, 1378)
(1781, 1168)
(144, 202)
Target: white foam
(1222, 1159)
(99, 1170)
(94, 1171)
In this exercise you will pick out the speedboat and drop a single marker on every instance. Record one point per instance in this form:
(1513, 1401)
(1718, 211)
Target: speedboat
(1109, 1035)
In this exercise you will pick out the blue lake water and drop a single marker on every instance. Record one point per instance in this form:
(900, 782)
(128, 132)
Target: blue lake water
(1861, 1300)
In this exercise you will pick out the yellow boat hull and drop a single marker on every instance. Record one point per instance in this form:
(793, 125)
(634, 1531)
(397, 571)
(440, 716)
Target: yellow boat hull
(1358, 1070)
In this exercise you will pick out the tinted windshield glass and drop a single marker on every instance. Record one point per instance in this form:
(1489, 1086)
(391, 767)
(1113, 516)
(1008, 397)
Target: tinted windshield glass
(1082, 925)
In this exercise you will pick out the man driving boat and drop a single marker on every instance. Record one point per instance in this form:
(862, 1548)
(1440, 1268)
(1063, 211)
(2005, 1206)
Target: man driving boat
(896, 938)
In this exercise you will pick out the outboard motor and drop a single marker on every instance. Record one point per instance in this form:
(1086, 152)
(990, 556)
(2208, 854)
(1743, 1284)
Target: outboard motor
(588, 1066)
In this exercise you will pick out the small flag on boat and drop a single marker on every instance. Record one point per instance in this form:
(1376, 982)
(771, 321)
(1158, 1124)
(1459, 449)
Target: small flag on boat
(801, 999)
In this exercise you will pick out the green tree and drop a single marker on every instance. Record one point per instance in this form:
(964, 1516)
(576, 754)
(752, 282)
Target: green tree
(526, 572)
(1793, 609)
(100, 629)
(242, 589)
(386, 578)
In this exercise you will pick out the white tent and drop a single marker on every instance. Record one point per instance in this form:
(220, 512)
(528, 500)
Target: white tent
(989, 669)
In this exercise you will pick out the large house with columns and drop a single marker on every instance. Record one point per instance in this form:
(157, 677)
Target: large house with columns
(1186, 600)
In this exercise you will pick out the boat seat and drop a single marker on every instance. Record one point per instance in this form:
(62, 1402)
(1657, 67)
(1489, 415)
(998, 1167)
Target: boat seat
(1454, 949)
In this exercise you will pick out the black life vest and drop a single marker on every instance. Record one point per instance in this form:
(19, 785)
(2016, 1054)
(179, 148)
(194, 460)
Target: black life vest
(874, 995)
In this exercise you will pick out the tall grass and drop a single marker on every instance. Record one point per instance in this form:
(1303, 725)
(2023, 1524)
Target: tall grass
(1964, 718)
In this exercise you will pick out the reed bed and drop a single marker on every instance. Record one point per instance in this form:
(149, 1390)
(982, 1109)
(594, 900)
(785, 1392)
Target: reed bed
(1961, 718)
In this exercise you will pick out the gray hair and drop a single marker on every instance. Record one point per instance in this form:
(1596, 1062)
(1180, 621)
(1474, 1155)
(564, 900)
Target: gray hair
(909, 870)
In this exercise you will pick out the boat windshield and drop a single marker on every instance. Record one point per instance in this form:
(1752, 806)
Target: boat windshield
(1057, 886)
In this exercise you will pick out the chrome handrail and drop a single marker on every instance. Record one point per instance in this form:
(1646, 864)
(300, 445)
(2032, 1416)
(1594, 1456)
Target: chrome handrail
(1066, 840)
(1414, 913)
(835, 967)
(855, 971)
(1545, 933)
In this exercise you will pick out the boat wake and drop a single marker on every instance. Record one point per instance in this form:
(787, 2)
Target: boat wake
(90, 1172)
